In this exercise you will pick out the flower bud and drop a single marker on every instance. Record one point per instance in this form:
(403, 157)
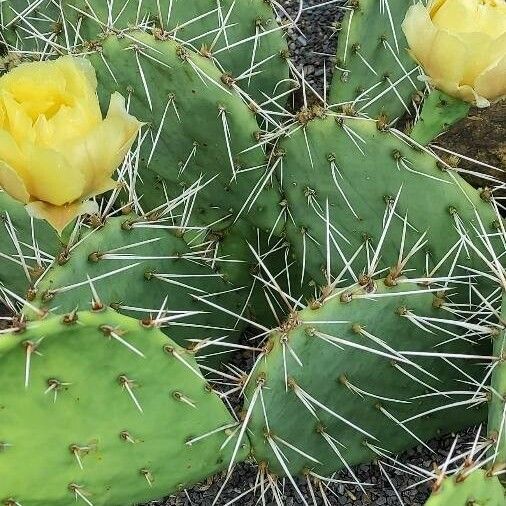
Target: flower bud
(56, 150)
(461, 46)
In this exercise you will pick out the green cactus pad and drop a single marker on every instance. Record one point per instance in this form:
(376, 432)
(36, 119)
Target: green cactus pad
(374, 71)
(498, 396)
(134, 266)
(343, 376)
(360, 170)
(26, 246)
(238, 34)
(92, 421)
(476, 489)
(200, 128)
(439, 113)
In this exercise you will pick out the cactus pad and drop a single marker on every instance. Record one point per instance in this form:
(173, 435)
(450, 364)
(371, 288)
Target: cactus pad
(476, 489)
(26, 246)
(134, 266)
(169, 89)
(351, 188)
(242, 36)
(374, 71)
(98, 409)
(351, 373)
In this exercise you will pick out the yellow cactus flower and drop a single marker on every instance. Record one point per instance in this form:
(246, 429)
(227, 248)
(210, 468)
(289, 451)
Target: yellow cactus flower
(56, 150)
(461, 46)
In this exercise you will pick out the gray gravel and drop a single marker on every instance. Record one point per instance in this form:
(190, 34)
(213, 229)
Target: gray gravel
(381, 494)
(310, 50)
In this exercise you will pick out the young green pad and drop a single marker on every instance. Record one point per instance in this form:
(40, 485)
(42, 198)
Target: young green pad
(349, 373)
(439, 112)
(200, 129)
(242, 36)
(27, 246)
(476, 488)
(99, 410)
(374, 71)
(134, 266)
(377, 188)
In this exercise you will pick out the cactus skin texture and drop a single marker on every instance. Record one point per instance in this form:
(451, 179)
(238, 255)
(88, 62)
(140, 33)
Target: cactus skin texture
(332, 371)
(20, 264)
(360, 170)
(148, 256)
(439, 113)
(250, 38)
(89, 417)
(180, 83)
(498, 398)
(375, 74)
(476, 489)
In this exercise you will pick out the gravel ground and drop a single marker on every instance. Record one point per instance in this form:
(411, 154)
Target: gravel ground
(380, 494)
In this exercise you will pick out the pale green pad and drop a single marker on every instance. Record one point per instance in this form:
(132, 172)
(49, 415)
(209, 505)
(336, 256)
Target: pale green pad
(127, 456)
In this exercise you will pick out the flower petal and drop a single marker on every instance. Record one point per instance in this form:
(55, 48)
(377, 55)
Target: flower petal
(12, 183)
(53, 179)
(60, 216)
(480, 49)
(80, 83)
(19, 121)
(447, 61)
(492, 82)
(101, 152)
(419, 31)
(471, 16)
(434, 5)
(37, 88)
(13, 156)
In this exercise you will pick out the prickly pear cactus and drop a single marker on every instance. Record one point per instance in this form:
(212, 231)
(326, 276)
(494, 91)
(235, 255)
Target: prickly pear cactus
(99, 409)
(357, 191)
(242, 37)
(360, 368)
(374, 73)
(496, 414)
(217, 153)
(31, 25)
(239, 218)
(474, 487)
(133, 265)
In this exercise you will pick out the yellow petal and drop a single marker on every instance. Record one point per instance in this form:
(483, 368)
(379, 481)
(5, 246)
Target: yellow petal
(79, 73)
(54, 180)
(81, 83)
(19, 122)
(479, 49)
(491, 18)
(434, 5)
(420, 32)
(104, 186)
(38, 88)
(12, 183)
(60, 216)
(456, 16)
(11, 154)
(101, 152)
(447, 59)
(491, 84)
